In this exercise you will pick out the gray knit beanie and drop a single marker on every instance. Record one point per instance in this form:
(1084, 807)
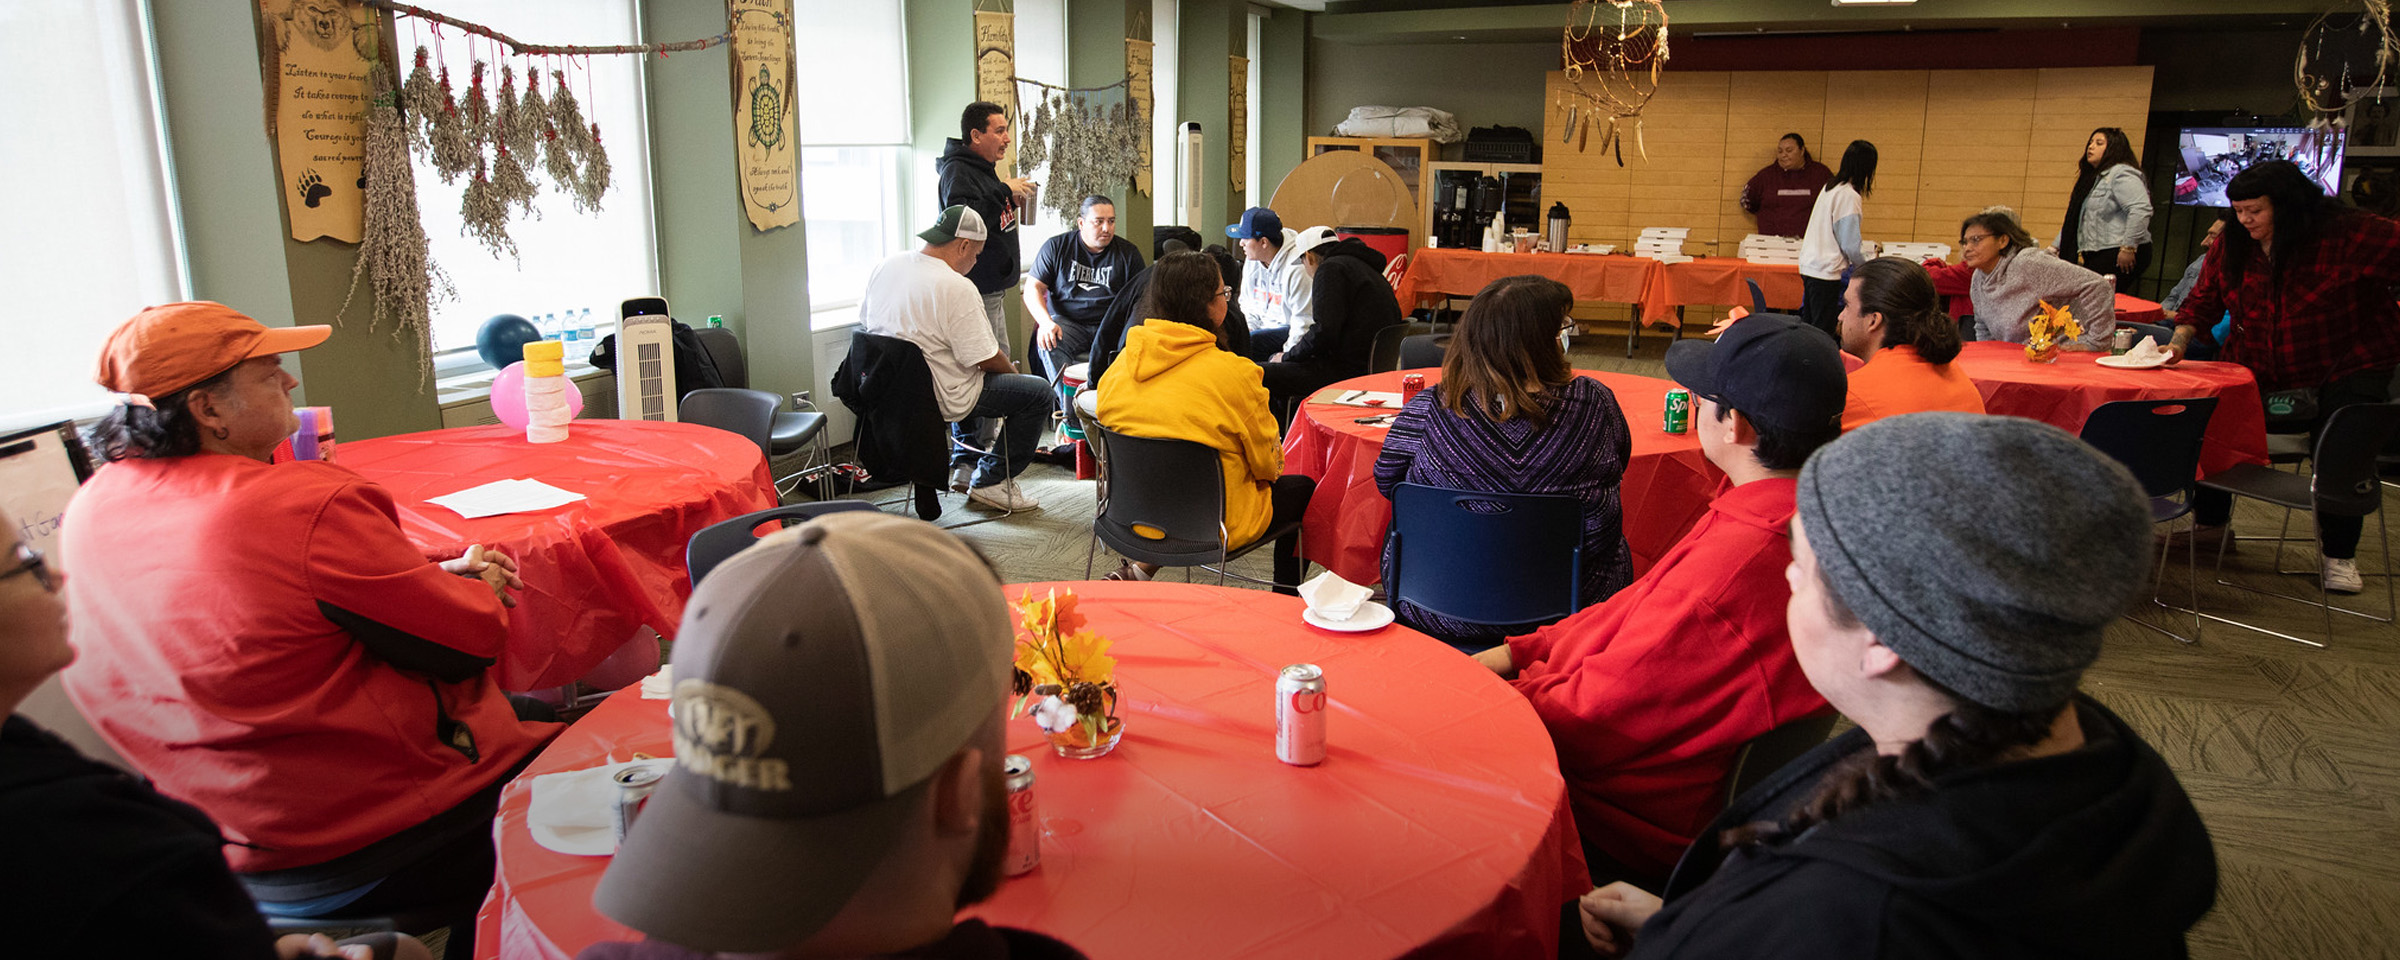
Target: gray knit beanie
(1989, 552)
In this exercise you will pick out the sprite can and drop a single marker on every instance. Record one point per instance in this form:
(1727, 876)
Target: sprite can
(1679, 410)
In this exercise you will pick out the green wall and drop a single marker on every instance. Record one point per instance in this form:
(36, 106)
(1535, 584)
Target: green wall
(1283, 94)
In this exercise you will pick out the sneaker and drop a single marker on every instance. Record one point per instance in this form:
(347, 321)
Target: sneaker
(2210, 538)
(2341, 576)
(1003, 496)
(959, 475)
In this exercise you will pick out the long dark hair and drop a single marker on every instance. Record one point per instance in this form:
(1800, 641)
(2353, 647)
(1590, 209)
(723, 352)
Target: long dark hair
(1971, 735)
(1507, 346)
(133, 431)
(1858, 168)
(2000, 223)
(1181, 286)
(2302, 212)
(2119, 150)
(1912, 312)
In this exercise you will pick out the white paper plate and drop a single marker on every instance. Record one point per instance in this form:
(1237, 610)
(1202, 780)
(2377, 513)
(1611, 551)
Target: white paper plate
(573, 811)
(1370, 616)
(2128, 363)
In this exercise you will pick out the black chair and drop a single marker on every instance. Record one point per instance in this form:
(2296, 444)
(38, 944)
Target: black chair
(2158, 332)
(2159, 441)
(1424, 350)
(1772, 750)
(1385, 355)
(791, 430)
(1158, 484)
(1758, 295)
(2343, 481)
(1505, 559)
(750, 413)
(718, 541)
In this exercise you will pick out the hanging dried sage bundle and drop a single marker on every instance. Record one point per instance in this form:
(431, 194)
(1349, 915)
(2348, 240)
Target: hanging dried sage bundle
(510, 183)
(475, 111)
(566, 116)
(421, 99)
(556, 161)
(1032, 148)
(392, 249)
(596, 174)
(452, 152)
(483, 215)
(532, 112)
(519, 121)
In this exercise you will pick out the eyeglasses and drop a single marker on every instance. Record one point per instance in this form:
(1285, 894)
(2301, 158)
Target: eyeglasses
(1971, 240)
(29, 560)
(1224, 291)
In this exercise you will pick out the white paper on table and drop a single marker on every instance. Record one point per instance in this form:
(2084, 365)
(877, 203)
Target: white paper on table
(1358, 398)
(505, 496)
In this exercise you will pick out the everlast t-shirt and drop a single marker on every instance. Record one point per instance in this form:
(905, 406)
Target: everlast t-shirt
(1083, 283)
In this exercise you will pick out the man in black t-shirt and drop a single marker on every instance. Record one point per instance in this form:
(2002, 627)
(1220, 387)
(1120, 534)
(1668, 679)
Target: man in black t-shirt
(1075, 277)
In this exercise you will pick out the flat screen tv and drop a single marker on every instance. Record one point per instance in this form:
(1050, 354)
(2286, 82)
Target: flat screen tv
(2207, 157)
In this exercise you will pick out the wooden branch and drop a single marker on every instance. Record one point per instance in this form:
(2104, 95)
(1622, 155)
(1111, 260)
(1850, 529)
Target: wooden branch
(537, 49)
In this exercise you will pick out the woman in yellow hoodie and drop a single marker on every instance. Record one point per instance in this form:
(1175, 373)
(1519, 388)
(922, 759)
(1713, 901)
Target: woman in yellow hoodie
(1173, 381)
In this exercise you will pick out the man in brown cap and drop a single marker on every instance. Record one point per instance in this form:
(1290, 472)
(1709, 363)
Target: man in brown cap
(839, 691)
(265, 643)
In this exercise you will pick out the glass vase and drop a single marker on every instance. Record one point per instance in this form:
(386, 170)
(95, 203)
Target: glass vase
(2043, 355)
(1080, 743)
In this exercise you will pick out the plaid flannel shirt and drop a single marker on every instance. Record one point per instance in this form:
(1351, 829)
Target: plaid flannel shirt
(2326, 315)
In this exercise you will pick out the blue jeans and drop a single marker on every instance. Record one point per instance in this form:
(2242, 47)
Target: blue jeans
(1267, 341)
(1024, 403)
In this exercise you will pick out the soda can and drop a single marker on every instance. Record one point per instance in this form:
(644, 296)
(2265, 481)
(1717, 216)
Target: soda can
(1300, 715)
(1679, 410)
(634, 785)
(1024, 829)
(2123, 342)
(1410, 384)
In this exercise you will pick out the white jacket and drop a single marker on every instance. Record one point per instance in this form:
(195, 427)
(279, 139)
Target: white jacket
(1831, 246)
(1275, 293)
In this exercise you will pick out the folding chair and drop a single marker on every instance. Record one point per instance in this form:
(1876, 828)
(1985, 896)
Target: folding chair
(1504, 559)
(1771, 751)
(1156, 484)
(791, 430)
(2159, 441)
(719, 541)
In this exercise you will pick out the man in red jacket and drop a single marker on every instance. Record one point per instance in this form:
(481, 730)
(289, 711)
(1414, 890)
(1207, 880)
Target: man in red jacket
(1650, 694)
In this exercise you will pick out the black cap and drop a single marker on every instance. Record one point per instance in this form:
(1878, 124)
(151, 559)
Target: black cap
(1776, 370)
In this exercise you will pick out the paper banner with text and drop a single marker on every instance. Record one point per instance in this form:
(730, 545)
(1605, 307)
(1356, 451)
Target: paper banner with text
(318, 54)
(1137, 89)
(1237, 133)
(996, 74)
(766, 123)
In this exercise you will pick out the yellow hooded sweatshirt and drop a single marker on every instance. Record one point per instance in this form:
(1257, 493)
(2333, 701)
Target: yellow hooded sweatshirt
(1172, 383)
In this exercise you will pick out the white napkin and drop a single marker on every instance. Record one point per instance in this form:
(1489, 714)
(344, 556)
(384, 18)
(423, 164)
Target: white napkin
(1333, 598)
(660, 685)
(575, 811)
(2147, 351)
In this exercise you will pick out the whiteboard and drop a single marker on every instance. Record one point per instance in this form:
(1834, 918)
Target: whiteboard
(39, 470)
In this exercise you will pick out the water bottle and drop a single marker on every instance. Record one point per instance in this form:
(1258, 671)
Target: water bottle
(570, 336)
(586, 332)
(549, 326)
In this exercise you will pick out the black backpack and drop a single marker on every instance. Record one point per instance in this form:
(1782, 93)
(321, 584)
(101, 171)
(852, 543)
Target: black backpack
(694, 368)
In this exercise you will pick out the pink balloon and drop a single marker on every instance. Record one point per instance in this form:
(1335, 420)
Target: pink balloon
(508, 397)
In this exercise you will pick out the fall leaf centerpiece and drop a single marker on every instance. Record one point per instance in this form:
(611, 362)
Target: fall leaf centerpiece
(1064, 670)
(2049, 328)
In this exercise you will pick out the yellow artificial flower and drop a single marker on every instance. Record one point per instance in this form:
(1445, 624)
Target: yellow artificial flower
(1084, 656)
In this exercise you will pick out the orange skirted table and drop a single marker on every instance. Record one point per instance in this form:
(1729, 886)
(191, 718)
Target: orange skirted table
(1436, 827)
(2063, 394)
(596, 570)
(1717, 281)
(1440, 271)
(1668, 482)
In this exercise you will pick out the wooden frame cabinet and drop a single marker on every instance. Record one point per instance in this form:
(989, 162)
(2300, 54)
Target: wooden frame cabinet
(1411, 157)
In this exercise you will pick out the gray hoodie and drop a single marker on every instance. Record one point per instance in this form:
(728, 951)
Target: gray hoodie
(2007, 296)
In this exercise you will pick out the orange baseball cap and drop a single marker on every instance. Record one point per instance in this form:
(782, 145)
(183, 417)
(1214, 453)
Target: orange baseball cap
(168, 348)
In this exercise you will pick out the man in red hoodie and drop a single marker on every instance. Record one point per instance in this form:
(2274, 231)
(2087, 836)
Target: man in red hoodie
(1650, 694)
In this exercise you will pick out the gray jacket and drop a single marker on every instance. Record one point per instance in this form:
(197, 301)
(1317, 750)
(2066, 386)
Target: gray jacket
(2007, 296)
(2117, 211)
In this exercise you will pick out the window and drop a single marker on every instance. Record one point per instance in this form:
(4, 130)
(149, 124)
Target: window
(1253, 190)
(1165, 114)
(1041, 55)
(85, 163)
(566, 261)
(851, 87)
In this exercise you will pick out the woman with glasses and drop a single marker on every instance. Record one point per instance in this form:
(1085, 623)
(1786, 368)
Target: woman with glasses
(1175, 380)
(2014, 277)
(1511, 416)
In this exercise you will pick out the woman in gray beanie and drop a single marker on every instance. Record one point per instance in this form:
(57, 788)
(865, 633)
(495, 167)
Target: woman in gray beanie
(1951, 577)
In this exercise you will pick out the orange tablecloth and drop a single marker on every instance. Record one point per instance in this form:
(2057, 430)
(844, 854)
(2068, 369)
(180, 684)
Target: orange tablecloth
(2137, 310)
(1440, 271)
(1437, 826)
(1667, 484)
(1717, 281)
(2063, 394)
(596, 570)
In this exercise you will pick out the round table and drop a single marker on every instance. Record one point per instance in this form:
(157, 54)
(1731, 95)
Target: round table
(2063, 394)
(1436, 827)
(1667, 486)
(596, 570)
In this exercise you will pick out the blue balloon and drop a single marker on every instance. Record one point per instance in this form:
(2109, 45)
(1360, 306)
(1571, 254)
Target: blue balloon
(503, 338)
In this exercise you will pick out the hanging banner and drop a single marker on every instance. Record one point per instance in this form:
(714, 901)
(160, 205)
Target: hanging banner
(1137, 89)
(1238, 130)
(317, 55)
(766, 123)
(996, 74)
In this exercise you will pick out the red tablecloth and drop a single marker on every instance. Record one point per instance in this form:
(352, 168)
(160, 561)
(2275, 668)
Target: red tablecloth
(1437, 826)
(2132, 309)
(1717, 281)
(2063, 394)
(1440, 271)
(1667, 484)
(1953, 283)
(596, 570)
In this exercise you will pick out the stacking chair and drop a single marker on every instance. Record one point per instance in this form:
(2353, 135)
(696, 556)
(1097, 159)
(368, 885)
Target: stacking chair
(1386, 353)
(1772, 750)
(750, 413)
(2158, 332)
(2342, 481)
(1758, 295)
(721, 540)
(1424, 350)
(2159, 441)
(1171, 486)
(791, 430)
(1504, 559)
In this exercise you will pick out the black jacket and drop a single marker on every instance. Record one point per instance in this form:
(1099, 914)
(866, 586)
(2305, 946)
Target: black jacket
(885, 382)
(972, 180)
(1350, 303)
(2092, 853)
(694, 368)
(1121, 320)
(101, 864)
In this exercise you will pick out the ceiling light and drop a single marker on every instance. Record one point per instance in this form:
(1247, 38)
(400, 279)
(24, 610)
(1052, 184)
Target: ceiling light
(1872, 3)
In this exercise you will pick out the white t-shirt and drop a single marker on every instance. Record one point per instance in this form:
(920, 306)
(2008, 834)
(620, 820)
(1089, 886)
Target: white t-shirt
(918, 298)
(1831, 246)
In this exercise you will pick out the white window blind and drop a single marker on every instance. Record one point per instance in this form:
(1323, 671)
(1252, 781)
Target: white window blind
(1041, 55)
(1165, 112)
(851, 88)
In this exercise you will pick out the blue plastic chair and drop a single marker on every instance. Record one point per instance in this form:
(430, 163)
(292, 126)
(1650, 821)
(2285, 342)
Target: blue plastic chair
(1510, 560)
(718, 542)
(2159, 441)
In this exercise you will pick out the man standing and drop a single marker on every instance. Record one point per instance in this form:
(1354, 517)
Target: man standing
(1275, 284)
(1075, 278)
(1650, 694)
(1785, 192)
(924, 298)
(970, 179)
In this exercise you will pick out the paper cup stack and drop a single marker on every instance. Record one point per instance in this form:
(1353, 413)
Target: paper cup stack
(546, 386)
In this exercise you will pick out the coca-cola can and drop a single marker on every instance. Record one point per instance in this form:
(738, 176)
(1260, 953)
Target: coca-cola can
(1410, 385)
(1024, 828)
(634, 786)
(1300, 715)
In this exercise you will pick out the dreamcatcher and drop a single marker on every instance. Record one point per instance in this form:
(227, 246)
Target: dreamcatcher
(2341, 54)
(1613, 51)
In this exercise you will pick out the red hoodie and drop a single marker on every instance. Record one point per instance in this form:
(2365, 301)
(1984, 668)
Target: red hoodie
(1649, 695)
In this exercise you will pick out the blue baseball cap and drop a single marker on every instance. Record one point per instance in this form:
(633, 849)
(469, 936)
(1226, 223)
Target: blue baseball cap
(1256, 222)
(1772, 367)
